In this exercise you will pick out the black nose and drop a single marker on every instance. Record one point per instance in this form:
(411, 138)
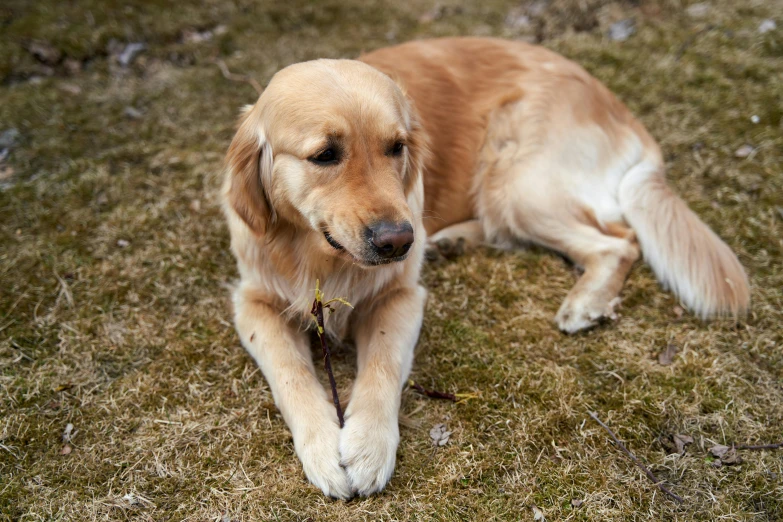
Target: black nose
(391, 240)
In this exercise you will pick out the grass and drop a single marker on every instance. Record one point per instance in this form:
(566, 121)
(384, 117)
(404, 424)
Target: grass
(133, 344)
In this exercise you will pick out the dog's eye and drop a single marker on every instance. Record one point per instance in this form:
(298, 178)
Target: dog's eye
(326, 157)
(396, 149)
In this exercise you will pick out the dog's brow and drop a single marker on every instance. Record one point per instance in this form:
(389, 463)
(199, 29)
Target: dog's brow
(317, 145)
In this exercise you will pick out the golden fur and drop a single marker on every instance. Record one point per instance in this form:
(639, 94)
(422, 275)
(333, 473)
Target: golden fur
(502, 142)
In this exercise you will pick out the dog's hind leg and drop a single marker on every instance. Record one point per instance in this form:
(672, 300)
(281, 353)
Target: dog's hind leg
(605, 252)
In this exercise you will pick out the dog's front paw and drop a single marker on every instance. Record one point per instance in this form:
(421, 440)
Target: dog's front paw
(369, 448)
(575, 314)
(319, 452)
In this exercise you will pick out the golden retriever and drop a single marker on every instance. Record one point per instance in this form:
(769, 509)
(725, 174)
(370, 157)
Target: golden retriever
(343, 168)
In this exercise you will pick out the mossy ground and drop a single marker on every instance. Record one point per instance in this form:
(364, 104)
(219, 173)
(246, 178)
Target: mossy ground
(133, 344)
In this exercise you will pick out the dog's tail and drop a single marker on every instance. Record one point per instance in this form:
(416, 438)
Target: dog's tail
(686, 256)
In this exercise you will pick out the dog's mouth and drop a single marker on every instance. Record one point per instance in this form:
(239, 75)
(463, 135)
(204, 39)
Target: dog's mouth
(334, 244)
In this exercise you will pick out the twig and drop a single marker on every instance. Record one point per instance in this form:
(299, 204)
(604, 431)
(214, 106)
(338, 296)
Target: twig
(318, 314)
(636, 461)
(432, 394)
(691, 40)
(228, 75)
(776, 445)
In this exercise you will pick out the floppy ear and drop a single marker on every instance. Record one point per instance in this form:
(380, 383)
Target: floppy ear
(418, 150)
(248, 172)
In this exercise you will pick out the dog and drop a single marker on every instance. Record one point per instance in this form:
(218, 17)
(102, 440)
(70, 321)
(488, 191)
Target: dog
(343, 169)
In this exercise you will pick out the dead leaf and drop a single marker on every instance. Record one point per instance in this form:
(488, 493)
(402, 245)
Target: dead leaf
(575, 502)
(731, 458)
(440, 435)
(73, 67)
(678, 311)
(727, 455)
(538, 514)
(699, 10)
(744, 151)
(68, 432)
(666, 357)
(681, 441)
(132, 113)
(44, 52)
(130, 52)
(718, 450)
(6, 171)
(71, 89)
(195, 205)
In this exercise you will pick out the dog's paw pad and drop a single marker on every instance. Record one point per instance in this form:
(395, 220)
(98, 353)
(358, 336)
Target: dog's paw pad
(574, 316)
(445, 248)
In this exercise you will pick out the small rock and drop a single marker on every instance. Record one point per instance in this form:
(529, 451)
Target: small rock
(517, 19)
(744, 151)
(699, 10)
(755, 118)
(44, 52)
(8, 138)
(575, 502)
(130, 52)
(123, 243)
(622, 30)
(220, 29)
(538, 515)
(666, 357)
(678, 311)
(767, 25)
(440, 435)
(195, 205)
(132, 113)
(66, 449)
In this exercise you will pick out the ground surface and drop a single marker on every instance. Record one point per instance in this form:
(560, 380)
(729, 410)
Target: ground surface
(114, 269)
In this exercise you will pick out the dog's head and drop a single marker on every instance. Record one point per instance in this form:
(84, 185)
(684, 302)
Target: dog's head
(332, 146)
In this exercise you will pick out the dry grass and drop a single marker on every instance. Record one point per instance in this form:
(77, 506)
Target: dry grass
(133, 346)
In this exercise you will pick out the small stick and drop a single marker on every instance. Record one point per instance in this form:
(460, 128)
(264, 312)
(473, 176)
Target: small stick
(636, 461)
(432, 394)
(228, 75)
(776, 445)
(318, 313)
